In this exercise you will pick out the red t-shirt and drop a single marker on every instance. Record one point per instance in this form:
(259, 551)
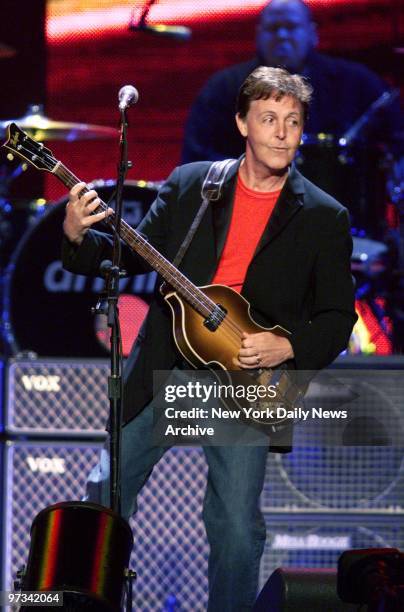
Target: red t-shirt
(251, 212)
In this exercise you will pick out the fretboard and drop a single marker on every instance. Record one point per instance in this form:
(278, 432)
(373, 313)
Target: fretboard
(187, 290)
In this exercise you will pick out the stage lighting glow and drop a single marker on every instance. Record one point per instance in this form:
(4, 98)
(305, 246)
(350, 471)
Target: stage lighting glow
(86, 17)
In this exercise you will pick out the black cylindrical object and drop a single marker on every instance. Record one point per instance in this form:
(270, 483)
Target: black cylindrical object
(297, 589)
(82, 549)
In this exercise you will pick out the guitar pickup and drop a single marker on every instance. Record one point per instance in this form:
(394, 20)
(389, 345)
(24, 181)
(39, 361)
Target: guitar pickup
(215, 318)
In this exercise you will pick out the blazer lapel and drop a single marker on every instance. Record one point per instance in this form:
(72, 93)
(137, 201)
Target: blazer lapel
(288, 204)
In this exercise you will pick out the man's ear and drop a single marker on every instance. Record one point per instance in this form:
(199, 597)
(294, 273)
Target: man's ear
(242, 125)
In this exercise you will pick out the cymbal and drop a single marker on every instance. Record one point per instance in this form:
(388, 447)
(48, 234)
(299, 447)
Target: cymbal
(6, 51)
(42, 129)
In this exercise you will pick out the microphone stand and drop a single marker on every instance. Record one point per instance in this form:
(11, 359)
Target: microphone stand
(115, 378)
(91, 528)
(108, 304)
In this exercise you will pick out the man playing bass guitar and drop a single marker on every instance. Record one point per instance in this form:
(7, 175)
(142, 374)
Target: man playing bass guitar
(282, 243)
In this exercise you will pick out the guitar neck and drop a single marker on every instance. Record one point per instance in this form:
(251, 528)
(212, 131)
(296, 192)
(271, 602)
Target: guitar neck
(194, 296)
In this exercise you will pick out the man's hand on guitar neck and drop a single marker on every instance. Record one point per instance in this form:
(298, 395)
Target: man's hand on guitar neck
(79, 213)
(263, 350)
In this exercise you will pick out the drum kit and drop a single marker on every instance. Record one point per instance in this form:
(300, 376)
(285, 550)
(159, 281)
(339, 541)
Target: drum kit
(362, 175)
(60, 321)
(59, 304)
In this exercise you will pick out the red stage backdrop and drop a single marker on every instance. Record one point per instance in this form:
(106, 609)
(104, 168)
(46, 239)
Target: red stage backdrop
(92, 53)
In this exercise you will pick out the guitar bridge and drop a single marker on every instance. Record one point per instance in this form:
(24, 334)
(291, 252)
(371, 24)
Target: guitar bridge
(215, 318)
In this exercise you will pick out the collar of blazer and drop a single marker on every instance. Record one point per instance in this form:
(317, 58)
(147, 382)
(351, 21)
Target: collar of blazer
(288, 204)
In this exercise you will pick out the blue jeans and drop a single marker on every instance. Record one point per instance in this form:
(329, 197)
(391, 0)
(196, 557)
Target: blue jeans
(234, 524)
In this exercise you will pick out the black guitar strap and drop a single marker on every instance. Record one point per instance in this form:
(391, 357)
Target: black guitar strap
(211, 192)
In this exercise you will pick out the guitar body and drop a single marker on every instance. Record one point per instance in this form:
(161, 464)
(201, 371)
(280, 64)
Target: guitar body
(214, 349)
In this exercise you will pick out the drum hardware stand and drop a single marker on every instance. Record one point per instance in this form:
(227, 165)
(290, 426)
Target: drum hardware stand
(395, 189)
(398, 310)
(130, 576)
(352, 133)
(6, 179)
(19, 575)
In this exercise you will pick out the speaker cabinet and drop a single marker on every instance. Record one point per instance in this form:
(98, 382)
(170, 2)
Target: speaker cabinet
(318, 501)
(170, 551)
(57, 397)
(317, 540)
(289, 590)
(354, 464)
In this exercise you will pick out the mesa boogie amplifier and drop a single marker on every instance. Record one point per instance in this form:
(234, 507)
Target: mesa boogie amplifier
(323, 479)
(352, 465)
(57, 397)
(317, 540)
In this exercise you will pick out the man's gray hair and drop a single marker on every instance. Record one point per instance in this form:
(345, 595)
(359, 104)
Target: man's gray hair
(266, 82)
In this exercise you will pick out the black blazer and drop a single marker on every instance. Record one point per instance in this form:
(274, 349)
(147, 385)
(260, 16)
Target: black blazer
(299, 276)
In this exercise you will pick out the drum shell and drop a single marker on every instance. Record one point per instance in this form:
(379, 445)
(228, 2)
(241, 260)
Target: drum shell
(16, 218)
(82, 549)
(352, 174)
(47, 310)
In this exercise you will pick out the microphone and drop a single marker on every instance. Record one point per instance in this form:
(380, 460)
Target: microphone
(128, 95)
(160, 29)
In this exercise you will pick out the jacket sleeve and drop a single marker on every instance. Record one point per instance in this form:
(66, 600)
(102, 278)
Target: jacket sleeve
(318, 342)
(97, 246)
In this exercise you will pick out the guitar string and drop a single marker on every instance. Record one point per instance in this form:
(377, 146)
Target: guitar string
(229, 328)
(156, 256)
(153, 256)
(69, 179)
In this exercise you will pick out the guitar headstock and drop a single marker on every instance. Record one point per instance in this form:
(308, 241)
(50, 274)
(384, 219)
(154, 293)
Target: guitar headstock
(33, 152)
